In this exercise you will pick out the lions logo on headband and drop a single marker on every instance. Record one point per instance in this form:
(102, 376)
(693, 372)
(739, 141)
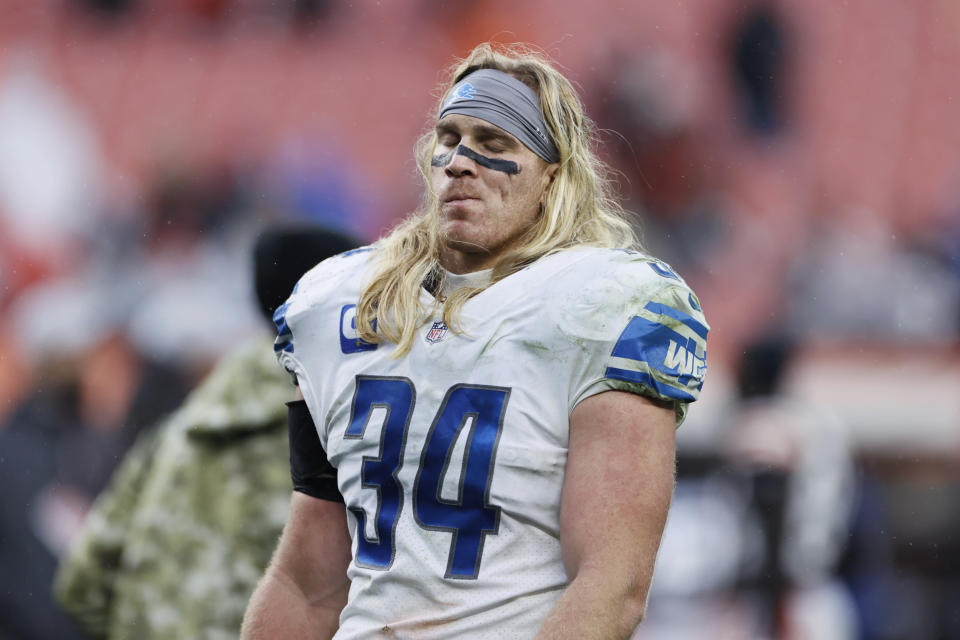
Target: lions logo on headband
(465, 91)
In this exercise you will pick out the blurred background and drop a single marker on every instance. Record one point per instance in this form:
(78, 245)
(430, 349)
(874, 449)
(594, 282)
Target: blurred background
(797, 161)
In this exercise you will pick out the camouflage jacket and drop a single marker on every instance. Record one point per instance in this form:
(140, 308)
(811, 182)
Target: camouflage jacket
(176, 544)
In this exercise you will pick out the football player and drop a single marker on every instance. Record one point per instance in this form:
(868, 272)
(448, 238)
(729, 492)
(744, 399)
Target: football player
(495, 385)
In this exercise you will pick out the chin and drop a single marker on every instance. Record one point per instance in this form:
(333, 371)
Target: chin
(463, 244)
(454, 236)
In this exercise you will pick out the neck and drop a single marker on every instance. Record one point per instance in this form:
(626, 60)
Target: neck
(454, 281)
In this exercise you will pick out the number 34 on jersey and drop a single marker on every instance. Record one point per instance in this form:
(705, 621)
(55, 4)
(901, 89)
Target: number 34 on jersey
(477, 410)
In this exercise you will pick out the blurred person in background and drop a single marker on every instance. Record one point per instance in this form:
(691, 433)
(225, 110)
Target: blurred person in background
(798, 458)
(84, 392)
(761, 518)
(496, 386)
(174, 547)
(759, 64)
(45, 495)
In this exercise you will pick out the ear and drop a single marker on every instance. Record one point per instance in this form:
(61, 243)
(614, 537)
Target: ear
(548, 176)
(552, 172)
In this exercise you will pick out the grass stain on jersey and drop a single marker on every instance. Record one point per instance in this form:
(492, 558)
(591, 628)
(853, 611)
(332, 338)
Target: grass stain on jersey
(535, 346)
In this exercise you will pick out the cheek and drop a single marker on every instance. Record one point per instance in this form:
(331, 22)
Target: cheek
(436, 178)
(524, 191)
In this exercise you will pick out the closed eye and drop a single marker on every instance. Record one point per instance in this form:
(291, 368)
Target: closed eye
(494, 139)
(447, 135)
(448, 139)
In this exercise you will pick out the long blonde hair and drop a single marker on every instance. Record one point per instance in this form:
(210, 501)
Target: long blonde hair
(580, 208)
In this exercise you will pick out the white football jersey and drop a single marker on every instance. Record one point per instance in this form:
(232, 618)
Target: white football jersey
(451, 459)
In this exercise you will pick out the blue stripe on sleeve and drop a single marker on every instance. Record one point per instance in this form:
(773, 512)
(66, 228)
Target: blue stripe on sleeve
(284, 340)
(279, 317)
(644, 378)
(689, 321)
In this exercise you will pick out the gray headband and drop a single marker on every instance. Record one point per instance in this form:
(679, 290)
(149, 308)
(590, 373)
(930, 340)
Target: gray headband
(503, 101)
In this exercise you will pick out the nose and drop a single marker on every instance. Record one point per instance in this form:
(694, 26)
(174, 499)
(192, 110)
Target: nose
(460, 166)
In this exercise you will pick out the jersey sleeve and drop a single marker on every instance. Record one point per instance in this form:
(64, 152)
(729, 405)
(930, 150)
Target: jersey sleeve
(649, 336)
(315, 324)
(311, 295)
(283, 344)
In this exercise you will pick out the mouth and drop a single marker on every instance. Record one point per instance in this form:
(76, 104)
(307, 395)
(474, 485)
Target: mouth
(455, 198)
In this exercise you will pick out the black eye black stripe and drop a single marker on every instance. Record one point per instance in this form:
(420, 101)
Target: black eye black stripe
(443, 159)
(508, 167)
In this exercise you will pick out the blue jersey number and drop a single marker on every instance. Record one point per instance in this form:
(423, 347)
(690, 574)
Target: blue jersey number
(470, 517)
(395, 396)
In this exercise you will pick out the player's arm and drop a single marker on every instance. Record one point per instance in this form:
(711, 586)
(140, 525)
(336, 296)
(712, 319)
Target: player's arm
(306, 585)
(616, 492)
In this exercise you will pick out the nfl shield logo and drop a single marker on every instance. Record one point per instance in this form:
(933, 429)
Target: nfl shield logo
(436, 333)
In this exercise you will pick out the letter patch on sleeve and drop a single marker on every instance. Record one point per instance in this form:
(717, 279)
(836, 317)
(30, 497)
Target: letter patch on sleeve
(664, 349)
(350, 340)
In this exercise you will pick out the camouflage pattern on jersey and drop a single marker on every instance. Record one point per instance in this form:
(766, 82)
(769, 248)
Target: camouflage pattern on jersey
(176, 544)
